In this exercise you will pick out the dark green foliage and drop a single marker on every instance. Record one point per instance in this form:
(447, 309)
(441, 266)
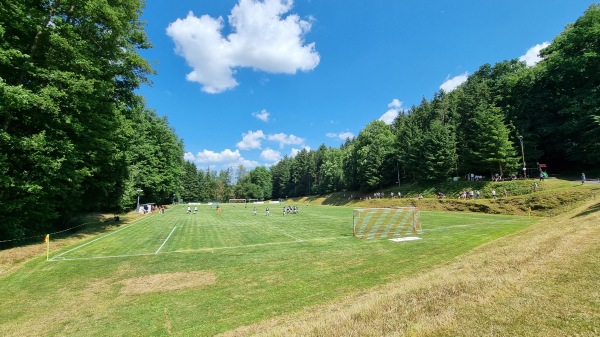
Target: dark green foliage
(71, 126)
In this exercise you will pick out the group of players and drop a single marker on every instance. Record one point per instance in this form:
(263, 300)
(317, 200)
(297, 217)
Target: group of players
(286, 210)
(290, 210)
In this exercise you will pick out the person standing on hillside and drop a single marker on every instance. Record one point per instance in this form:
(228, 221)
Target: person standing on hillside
(582, 178)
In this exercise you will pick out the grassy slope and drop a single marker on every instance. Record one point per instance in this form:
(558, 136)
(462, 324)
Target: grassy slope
(542, 281)
(553, 197)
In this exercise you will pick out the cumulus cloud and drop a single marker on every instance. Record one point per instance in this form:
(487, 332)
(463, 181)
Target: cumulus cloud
(395, 104)
(284, 139)
(220, 160)
(394, 108)
(532, 56)
(225, 156)
(263, 38)
(342, 135)
(263, 115)
(270, 155)
(251, 140)
(452, 83)
(188, 156)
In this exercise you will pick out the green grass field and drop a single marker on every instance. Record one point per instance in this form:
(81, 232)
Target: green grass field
(246, 268)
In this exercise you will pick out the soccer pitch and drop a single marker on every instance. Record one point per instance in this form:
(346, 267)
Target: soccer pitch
(237, 227)
(243, 268)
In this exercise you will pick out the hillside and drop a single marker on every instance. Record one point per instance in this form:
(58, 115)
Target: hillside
(554, 196)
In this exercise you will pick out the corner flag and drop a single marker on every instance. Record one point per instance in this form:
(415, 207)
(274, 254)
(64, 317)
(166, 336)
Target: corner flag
(47, 241)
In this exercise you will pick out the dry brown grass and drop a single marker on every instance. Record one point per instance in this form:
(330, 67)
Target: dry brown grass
(168, 282)
(542, 281)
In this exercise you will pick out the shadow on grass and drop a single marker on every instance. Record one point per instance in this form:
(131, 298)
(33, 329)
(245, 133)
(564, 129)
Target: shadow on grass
(592, 209)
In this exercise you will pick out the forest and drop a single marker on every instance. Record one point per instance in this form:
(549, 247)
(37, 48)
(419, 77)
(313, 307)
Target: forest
(75, 137)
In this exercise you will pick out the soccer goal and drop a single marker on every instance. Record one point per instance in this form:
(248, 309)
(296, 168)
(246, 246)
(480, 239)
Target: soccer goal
(252, 201)
(372, 223)
(237, 201)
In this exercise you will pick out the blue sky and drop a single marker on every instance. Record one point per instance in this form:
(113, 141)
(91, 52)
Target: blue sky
(248, 82)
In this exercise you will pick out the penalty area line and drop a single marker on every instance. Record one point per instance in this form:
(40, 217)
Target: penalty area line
(201, 250)
(159, 248)
(100, 238)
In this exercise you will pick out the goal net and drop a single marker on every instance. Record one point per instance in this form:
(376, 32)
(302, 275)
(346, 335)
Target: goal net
(237, 201)
(372, 223)
(252, 201)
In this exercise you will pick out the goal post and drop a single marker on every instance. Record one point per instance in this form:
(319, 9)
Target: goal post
(373, 223)
(237, 201)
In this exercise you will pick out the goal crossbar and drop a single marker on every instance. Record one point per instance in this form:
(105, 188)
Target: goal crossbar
(372, 223)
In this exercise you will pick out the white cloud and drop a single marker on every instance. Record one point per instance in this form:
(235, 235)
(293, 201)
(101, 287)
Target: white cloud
(251, 140)
(225, 156)
(284, 139)
(342, 135)
(270, 155)
(452, 83)
(532, 56)
(246, 163)
(262, 38)
(395, 104)
(189, 157)
(263, 115)
(220, 160)
(388, 117)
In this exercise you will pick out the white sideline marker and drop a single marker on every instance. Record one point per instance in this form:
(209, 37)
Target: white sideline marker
(159, 248)
(100, 238)
(408, 238)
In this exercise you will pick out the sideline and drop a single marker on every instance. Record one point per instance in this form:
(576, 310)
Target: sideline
(100, 238)
(167, 239)
(201, 250)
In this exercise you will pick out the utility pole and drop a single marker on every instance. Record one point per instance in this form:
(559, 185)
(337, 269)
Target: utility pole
(523, 154)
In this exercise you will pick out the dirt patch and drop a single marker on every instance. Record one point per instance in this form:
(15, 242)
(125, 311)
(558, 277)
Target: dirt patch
(168, 282)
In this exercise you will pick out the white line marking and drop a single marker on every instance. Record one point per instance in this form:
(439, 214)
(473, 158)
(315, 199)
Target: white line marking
(99, 257)
(288, 235)
(159, 248)
(201, 250)
(100, 238)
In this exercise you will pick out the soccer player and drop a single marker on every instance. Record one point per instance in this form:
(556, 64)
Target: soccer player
(267, 211)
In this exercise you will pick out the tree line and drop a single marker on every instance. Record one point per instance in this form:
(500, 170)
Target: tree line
(75, 137)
